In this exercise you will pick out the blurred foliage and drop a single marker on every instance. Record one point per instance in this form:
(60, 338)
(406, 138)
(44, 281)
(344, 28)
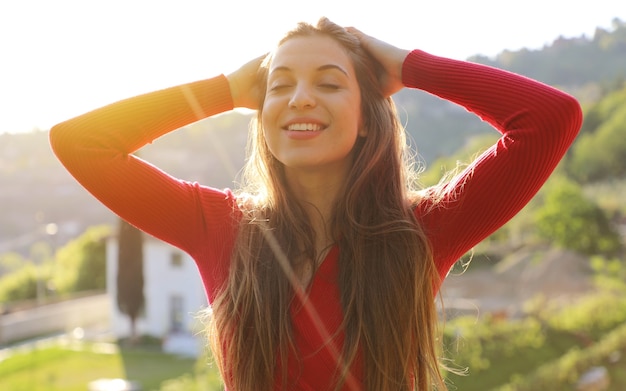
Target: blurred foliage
(21, 284)
(78, 266)
(10, 262)
(592, 316)
(610, 274)
(24, 279)
(609, 196)
(568, 219)
(446, 166)
(599, 154)
(548, 348)
(563, 374)
(81, 264)
(471, 342)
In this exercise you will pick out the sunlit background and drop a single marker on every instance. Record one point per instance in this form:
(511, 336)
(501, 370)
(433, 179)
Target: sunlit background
(61, 58)
(534, 307)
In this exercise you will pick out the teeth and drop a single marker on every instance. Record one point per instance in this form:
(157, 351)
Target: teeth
(305, 127)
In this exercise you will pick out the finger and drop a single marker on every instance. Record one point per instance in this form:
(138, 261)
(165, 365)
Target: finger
(365, 40)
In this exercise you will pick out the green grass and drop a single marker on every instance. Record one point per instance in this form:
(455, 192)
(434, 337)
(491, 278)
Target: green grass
(499, 353)
(58, 368)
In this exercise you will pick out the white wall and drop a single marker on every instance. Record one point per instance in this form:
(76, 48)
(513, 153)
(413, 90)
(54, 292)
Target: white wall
(161, 282)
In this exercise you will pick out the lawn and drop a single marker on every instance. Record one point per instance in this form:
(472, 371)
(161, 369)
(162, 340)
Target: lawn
(496, 352)
(58, 368)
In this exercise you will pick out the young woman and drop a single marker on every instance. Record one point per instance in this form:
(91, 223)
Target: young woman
(322, 270)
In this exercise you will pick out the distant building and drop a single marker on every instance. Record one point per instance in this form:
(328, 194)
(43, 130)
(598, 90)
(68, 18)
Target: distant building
(174, 296)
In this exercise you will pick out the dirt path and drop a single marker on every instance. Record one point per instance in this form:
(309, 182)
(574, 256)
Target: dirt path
(559, 276)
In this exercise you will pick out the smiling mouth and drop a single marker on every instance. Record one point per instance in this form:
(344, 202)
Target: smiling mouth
(305, 127)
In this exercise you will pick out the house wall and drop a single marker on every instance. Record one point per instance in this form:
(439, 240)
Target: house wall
(162, 281)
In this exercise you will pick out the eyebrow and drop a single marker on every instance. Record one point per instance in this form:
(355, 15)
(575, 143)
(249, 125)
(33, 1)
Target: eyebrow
(319, 69)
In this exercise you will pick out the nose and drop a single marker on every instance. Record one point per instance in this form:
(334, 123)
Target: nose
(302, 97)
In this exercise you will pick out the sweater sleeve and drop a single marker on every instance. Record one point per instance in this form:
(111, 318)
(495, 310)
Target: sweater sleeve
(96, 149)
(538, 124)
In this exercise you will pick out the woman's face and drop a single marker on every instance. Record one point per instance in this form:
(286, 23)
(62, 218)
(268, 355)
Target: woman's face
(311, 114)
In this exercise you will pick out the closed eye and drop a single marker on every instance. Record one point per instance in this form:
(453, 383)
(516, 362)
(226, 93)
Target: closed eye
(330, 86)
(279, 87)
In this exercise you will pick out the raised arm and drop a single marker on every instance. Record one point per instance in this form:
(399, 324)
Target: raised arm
(538, 123)
(96, 149)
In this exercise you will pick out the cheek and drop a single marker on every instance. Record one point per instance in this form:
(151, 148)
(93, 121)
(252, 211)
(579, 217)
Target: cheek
(268, 137)
(269, 113)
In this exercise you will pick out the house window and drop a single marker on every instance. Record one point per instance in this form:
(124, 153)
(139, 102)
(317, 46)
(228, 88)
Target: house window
(176, 259)
(176, 313)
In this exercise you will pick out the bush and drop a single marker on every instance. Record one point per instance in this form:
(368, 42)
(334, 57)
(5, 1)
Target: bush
(22, 284)
(81, 264)
(471, 342)
(610, 274)
(574, 222)
(594, 315)
(565, 372)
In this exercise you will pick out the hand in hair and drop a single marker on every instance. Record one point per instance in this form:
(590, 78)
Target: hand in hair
(243, 82)
(389, 56)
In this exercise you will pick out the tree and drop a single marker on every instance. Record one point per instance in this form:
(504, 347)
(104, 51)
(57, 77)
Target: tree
(601, 155)
(130, 297)
(572, 221)
(19, 285)
(10, 262)
(80, 265)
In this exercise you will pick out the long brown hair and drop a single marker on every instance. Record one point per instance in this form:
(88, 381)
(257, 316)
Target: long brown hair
(387, 277)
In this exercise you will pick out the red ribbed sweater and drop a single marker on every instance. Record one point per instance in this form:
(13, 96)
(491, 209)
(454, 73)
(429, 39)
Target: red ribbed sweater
(538, 123)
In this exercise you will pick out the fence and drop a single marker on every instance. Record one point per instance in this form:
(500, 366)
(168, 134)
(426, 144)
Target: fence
(63, 316)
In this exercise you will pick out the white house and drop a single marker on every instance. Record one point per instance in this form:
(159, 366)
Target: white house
(173, 293)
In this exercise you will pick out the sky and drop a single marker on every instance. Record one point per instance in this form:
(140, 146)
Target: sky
(61, 58)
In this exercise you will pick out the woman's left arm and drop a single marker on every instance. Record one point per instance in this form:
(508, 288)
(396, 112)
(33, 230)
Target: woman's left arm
(538, 123)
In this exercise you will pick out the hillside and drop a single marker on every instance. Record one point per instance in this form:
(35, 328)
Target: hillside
(561, 278)
(35, 190)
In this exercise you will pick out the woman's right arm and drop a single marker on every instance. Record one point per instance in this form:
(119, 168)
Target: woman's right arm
(96, 148)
